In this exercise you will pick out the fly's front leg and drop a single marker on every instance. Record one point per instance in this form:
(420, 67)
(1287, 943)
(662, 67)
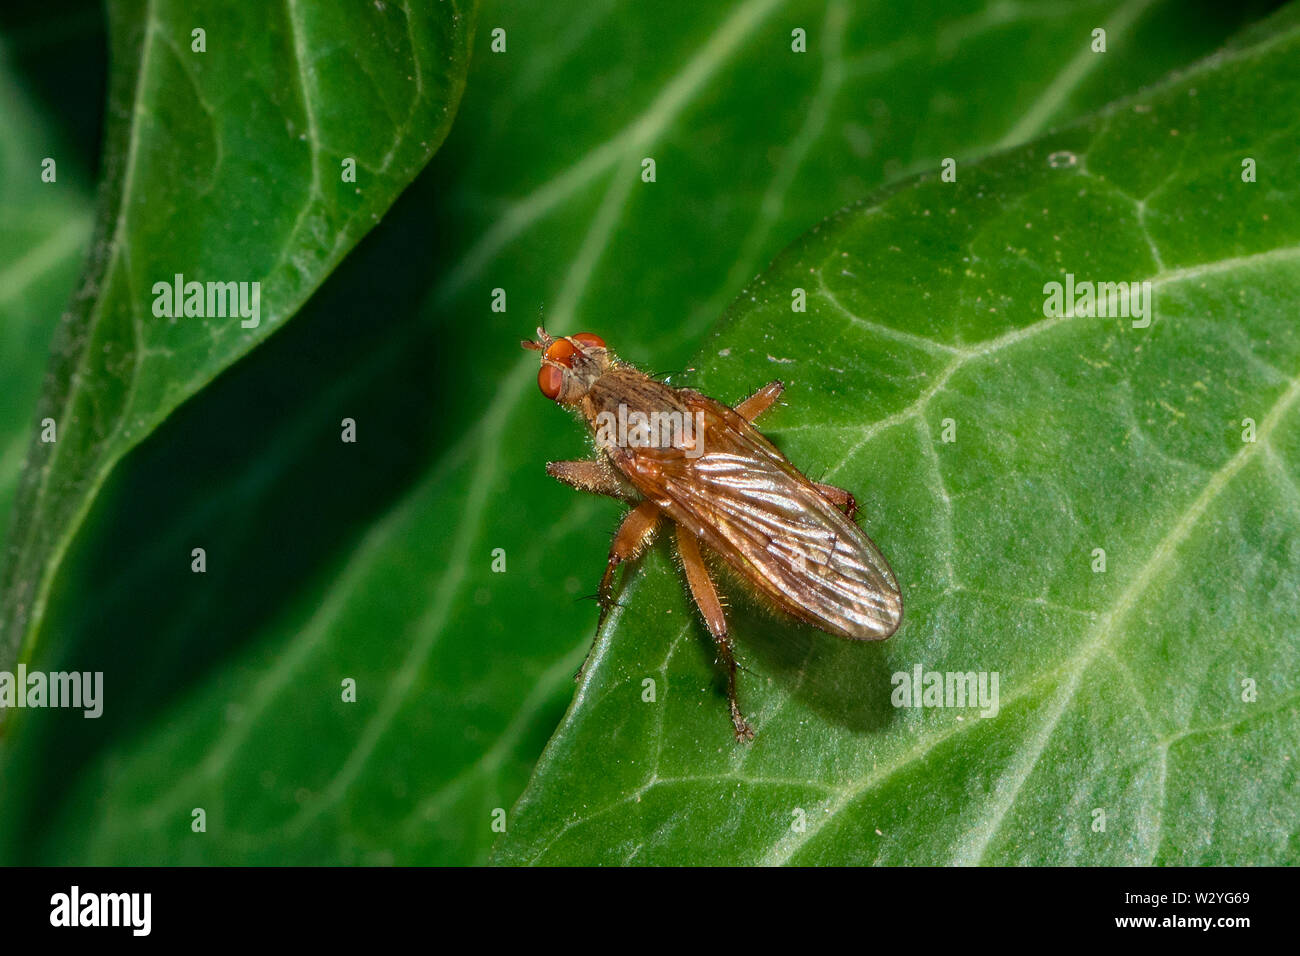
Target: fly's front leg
(760, 401)
(633, 535)
(593, 476)
(840, 498)
(706, 598)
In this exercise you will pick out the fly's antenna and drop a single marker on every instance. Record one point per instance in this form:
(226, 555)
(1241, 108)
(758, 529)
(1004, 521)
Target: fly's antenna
(546, 338)
(543, 341)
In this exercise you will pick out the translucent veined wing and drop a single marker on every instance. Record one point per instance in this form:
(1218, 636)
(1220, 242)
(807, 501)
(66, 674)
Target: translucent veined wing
(745, 501)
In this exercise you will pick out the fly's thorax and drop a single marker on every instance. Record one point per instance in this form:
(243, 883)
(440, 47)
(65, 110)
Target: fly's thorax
(628, 410)
(623, 385)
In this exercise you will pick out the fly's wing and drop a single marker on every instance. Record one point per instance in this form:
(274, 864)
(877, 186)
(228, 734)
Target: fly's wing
(746, 501)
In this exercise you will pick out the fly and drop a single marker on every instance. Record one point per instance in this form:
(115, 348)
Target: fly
(677, 455)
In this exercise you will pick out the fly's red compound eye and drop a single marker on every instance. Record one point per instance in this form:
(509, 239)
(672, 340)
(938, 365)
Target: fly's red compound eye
(550, 380)
(562, 351)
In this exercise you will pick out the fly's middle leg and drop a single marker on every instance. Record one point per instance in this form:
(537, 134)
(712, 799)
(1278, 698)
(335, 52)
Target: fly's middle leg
(706, 598)
(760, 401)
(633, 535)
(840, 498)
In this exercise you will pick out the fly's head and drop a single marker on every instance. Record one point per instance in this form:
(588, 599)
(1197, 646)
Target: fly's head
(570, 365)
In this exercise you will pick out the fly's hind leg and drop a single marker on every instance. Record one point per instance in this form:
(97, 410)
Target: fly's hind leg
(706, 598)
(633, 535)
(840, 498)
(760, 401)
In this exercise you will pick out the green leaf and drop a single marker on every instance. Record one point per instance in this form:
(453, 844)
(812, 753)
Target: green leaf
(229, 131)
(374, 560)
(47, 226)
(1125, 692)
